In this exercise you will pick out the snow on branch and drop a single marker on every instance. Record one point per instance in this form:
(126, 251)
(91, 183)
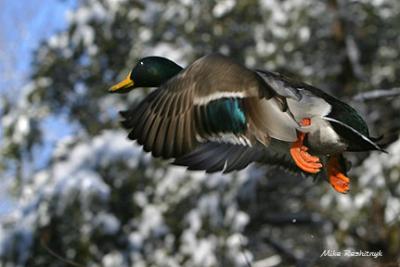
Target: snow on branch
(375, 94)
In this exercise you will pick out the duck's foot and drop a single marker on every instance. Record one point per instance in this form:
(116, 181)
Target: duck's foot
(339, 181)
(301, 157)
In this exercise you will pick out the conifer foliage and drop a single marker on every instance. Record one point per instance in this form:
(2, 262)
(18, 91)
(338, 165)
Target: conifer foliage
(96, 199)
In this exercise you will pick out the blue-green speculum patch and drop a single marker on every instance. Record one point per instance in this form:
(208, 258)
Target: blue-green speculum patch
(226, 115)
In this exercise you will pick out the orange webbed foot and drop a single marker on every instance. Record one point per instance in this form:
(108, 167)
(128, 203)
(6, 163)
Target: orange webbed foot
(339, 181)
(301, 157)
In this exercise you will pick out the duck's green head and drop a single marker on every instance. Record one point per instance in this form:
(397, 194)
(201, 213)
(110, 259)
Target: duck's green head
(148, 72)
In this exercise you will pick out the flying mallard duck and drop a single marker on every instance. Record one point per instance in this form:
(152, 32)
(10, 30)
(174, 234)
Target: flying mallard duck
(217, 115)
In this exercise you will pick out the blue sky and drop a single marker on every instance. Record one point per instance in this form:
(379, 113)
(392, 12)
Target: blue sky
(24, 24)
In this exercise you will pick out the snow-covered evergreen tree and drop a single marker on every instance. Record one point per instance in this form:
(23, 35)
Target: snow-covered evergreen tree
(98, 200)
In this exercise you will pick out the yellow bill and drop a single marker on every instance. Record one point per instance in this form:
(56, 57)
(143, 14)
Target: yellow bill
(124, 84)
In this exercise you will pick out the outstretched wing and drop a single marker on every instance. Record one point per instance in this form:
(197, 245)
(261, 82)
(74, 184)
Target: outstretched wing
(213, 100)
(216, 157)
(219, 157)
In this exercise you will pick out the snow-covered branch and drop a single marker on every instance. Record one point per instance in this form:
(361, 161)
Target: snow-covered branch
(375, 94)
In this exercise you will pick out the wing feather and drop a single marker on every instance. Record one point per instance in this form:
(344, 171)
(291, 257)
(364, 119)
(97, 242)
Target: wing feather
(175, 119)
(215, 157)
(359, 142)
